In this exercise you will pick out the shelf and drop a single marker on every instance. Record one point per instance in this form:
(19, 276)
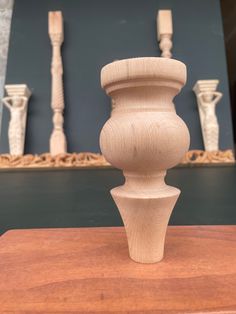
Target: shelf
(88, 270)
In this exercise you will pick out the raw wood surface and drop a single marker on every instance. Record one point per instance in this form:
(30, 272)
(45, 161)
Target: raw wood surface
(88, 270)
(144, 137)
(58, 143)
(165, 32)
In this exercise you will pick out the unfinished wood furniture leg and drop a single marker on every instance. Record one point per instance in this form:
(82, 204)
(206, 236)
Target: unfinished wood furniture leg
(144, 137)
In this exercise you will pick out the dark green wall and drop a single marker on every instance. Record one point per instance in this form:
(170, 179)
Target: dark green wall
(75, 198)
(96, 33)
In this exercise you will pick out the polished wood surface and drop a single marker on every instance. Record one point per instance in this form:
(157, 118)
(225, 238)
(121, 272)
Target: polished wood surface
(88, 270)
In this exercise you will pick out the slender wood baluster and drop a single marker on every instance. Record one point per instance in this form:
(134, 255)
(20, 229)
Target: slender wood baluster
(57, 140)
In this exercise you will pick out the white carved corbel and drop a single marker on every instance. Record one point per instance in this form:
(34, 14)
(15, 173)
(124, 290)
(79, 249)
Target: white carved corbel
(58, 143)
(16, 101)
(207, 98)
(165, 32)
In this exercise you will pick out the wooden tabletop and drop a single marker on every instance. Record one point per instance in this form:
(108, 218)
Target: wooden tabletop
(88, 270)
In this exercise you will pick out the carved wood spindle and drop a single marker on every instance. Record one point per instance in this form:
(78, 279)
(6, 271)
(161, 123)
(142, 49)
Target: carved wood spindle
(58, 143)
(144, 137)
(165, 32)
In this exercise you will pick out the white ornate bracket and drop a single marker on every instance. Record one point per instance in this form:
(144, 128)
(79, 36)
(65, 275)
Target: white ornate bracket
(165, 32)
(58, 143)
(207, 98)
(17, 103)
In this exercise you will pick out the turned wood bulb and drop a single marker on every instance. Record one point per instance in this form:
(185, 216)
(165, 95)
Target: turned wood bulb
(144, 137)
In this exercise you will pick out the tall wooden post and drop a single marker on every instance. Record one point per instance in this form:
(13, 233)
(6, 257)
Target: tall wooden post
(57, 140)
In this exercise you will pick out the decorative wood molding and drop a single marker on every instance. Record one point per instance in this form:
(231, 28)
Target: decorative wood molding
(89, 160)
(58, 143)
(46, 160)
(204, 157)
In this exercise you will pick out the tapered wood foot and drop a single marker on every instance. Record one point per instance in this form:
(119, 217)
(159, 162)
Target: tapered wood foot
(145, 212)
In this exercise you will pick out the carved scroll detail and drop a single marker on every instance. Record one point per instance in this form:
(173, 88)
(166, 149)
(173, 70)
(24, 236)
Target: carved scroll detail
(46, 160)
(87, 159)
(204, 157)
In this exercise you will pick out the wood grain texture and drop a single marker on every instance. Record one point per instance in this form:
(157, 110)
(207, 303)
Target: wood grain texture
(144, 137)
(88, 270)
